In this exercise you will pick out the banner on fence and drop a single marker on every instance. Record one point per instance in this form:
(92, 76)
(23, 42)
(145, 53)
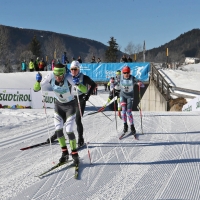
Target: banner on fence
(26, 98)
(37, 99)
(192, 105)
(15, 98)
(103, 71)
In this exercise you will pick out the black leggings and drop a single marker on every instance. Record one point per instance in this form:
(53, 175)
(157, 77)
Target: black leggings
(78, 115)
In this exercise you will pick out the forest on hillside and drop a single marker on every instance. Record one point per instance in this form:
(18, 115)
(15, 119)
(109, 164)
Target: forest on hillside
(15, 47)
(185, 45)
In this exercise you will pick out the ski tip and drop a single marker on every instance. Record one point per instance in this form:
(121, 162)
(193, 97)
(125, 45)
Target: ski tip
(40, 177)
(121, 136)
(25, 148)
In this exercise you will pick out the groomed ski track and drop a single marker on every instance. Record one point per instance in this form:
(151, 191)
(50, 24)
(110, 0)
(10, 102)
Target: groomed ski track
(162, 164)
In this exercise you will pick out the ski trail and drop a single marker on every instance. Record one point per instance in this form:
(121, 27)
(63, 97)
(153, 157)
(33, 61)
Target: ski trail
(165, 185)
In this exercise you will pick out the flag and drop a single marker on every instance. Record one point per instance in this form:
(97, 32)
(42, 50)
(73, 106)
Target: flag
(144, 49)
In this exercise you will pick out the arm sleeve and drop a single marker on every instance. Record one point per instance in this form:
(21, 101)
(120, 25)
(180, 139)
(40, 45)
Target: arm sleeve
(82, 88)
(89, 81)
(47, 79)
(111, 95)
(135, 80)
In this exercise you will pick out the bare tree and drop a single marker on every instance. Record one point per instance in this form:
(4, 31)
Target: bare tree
(101, 54)
(54, 43)
(69, 54)
(7, 66)
(138, 48)
(160, 57)
(4, 45)
(130, 48)
(92, 52)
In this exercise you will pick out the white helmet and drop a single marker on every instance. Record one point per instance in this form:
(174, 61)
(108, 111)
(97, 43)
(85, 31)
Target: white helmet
(75, 64)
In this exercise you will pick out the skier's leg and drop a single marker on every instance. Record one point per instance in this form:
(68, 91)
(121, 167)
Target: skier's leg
(79, 122)
(69, 124)
(124, 116)
(129, 114)
(58, 121)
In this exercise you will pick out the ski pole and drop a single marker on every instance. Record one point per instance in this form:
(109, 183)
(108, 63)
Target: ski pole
(79, 106)
(115, 109)
(140, 109)
(98, 111)
(43, 99)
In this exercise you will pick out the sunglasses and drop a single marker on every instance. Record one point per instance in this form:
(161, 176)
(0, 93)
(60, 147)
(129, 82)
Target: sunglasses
(74, 69)
(126, 72)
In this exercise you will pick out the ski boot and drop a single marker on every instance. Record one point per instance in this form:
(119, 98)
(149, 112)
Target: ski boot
(133, 131)
(75, 157)
(53, 138)
(80, 141)
(65, 156)
(125, 128)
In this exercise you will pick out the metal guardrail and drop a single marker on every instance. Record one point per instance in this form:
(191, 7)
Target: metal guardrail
(161, 84)
(167, 90)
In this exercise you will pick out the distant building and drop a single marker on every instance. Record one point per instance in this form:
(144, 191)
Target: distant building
(189, 60)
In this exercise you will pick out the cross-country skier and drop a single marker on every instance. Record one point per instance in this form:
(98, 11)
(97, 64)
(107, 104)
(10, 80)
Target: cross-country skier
(84, 80)
(127, 83)
(64, 111)
(114, 90)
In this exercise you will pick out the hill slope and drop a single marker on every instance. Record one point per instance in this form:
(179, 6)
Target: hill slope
(15, 44)
(15, 41)
(185, 45)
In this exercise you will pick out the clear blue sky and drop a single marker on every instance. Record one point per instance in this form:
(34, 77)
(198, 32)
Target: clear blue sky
(155, 21)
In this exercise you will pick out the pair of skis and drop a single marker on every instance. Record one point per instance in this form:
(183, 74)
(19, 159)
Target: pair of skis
(76, 167)
(58, 164)
(134, 135)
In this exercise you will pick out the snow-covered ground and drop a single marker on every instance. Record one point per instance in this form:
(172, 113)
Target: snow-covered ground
(182, 79)
(162, 164)
(191, 67)
(186, 77)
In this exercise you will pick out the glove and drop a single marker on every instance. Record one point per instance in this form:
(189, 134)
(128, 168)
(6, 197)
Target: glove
(76, 80)
(140, 84)
(38, 77)
(86, 97)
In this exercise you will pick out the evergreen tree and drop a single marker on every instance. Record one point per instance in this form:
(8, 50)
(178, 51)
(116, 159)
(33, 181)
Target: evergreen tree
(111, 53)
(35, 47)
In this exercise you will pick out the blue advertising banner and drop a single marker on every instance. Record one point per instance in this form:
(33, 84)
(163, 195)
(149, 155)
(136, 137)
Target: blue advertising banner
(101, 72)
